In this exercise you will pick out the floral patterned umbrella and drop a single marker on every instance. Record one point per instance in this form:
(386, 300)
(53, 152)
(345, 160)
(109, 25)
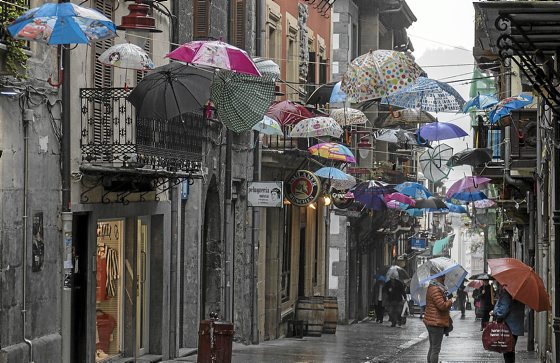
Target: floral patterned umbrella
(484, 203)
(128, 56)
(348, 116)
(332, 151)
(317, 126)
(379, 73)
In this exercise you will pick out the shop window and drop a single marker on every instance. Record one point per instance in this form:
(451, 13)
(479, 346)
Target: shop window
(287, 254)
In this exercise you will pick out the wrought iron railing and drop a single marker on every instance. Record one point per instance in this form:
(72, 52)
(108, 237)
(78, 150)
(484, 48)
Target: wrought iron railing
(111, 134)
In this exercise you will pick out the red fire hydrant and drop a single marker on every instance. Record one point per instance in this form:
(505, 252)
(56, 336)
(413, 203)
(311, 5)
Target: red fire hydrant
(214, 340)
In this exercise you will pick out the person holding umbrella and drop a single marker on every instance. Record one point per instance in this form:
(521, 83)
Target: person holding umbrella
(436, 316)
(395, 293)
(513, 313)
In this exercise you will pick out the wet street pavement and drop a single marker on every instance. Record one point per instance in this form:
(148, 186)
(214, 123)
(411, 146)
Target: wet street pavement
(369, 342)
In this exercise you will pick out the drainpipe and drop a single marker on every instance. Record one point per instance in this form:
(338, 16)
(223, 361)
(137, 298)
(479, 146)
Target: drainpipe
(228, 238)
(255, 246)
(556, 219)
(261, 28)
(27, 118)
(529, 256)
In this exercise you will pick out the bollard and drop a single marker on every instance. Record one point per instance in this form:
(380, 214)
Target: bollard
(214, 340)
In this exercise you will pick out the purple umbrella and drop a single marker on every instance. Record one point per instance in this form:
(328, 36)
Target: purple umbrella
(370, 194)
(441, 131)
(468, 183)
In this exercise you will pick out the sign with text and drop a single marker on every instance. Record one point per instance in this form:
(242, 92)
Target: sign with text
(303, 188)
(265, 194)
(417, 243)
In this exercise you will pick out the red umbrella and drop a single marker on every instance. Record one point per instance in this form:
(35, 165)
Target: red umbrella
(521, 282)
(475, 284)
(288, 112)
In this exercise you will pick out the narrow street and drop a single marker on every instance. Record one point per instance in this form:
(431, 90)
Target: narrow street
(370, 342)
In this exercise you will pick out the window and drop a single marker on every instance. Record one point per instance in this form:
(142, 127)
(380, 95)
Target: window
(286, 254)
(238, 20)
(311, 80)
(201, 19)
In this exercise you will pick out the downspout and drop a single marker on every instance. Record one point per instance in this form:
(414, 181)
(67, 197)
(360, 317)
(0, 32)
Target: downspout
(255, 246)
(27, 116)
(260, 45)
(228, 239)
(556, 218)
(529, 257)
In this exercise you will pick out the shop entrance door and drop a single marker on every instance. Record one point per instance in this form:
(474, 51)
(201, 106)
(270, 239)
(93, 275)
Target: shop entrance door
(142, 286)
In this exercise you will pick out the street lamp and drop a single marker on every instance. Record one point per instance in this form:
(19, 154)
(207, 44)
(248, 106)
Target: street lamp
(137, 23)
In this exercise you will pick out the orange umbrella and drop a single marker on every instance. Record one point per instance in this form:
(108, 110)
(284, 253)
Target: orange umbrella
(521, 282)
(475, 284)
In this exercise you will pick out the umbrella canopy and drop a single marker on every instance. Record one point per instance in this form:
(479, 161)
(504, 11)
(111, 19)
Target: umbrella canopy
(413, 189)
(469, 196)
(267, 66)
(241, 101)
(454, 208)
(288, 112)
(480, 102)
(370, 194)
(333, 151)
(128, 56)
(521, 281)
(327, 93)
(379, 73)
(395, 204)
(505, 106)
(317, 126)
(396, 272)
(484, 203)
(436, 131)
(468, 183)
(344, 184)
(399, 197)
(430, 203)
(481, 276)
(62, 23)
(268, 126)
(408, 116)
(348, 116)
(415, 212)
(474, 284)
(328, 172)
(433, 162)
(171, 90)
(435, 267)
(401, 137)
(215, 54)
(472, 157)
(428, 95)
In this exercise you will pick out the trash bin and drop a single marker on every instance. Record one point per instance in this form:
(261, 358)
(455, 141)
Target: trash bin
(214, 340)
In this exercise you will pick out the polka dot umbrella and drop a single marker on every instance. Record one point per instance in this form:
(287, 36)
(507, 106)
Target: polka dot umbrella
(317, 126)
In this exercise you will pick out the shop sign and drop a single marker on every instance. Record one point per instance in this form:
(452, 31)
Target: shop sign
(265, 194)
(303, 188)
(341, 199)
(417, 243)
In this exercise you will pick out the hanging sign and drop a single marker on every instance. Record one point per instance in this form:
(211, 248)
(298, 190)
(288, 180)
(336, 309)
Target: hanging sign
(265, 194)
(417, 243)
(303, 188)
(342, 200)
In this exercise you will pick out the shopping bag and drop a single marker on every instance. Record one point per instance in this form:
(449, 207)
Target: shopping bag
(497, 337)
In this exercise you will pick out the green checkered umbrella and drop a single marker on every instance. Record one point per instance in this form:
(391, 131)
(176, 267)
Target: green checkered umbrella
(241, 100)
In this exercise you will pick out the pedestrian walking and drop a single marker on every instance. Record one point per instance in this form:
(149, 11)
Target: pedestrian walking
(394, 294)
(378, 298)
(486, 296)
(462, 299)
(436, 316)
(513, 313)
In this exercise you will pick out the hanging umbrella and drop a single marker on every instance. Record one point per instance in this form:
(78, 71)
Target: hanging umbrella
(472, 157)
(401, 137)
(62, 23)
(468, 183)
(379, 73)
(288, 112)
(413, 189)
(241, 100)
(433, 162)
(469, 196)
(428, 95)
(128, 56)
(435, 267)
(454, 208)
(408, 116)
(373, 202)
(267, 66)
(215, 54)
(480, 102)
(430, 203)
(370, 194)
(316, 127)
(268, 126)
(327, 93)
(171, 90)
(348, 116)
(337, 178)
(399, 197)
(345, 184)
(333, 151)
(505, 106)
(396, 272)
(484, 203)
(395, 204)
(436, 131)
(415, 212)
(521, 281)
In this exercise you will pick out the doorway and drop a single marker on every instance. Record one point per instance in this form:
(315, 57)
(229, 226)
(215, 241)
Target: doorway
(142, 286)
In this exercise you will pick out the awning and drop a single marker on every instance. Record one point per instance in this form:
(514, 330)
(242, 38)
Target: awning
(440, 245)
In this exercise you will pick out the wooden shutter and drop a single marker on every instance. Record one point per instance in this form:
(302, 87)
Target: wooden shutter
(201, 19)
(238, 20)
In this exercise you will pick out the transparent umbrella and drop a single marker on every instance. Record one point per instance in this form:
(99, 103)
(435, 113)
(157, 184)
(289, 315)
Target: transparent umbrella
(433, 162)
(439, 266)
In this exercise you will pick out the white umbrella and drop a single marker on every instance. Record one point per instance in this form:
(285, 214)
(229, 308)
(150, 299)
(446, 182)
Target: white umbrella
(268, 126)
(128, 56)
(348, 116)
(315, 127)
(439, 266)
(433, 162)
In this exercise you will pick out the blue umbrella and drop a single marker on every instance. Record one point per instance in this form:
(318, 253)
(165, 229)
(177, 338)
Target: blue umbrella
(454, 208)
(415, 212)
(436, 131)
(480, 102)
(505, 106)
(332, 173)
(414, 190)
(469, 196)
(337, 95)
(62, 23)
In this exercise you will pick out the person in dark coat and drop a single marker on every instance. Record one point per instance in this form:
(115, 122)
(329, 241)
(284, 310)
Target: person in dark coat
(486, 296)
(394, 294)
(461, 299)
(378, 298)
(513, 313)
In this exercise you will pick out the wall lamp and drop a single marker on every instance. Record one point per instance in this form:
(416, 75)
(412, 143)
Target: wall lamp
(138, 22)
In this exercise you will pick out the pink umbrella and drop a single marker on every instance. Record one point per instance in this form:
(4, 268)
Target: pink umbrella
(399, 197)
(216, 54)
(468, 183)
(395, 204)
(484, 203)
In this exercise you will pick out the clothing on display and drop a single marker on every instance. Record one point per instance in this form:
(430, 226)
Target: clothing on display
(107, 272)
(105, 326)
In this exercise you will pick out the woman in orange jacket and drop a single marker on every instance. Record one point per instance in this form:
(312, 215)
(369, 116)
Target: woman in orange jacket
(436, 316)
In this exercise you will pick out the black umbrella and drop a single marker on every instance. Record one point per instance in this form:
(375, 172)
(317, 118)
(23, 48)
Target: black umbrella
(481, 276)
(473, 157)
(321, 95)
(170, 91)
(430, 203)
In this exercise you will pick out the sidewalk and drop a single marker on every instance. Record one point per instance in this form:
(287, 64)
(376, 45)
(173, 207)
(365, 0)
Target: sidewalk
(369, 342)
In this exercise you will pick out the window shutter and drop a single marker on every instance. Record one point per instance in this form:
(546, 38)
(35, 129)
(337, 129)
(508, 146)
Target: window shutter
(201, 19)
(102, 75)
(238, 23)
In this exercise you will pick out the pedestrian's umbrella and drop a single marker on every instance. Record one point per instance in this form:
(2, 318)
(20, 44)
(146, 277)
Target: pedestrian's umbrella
(428, 95)
(407, 116)
(480, 102)
(288, 112)
(171, 90)
(267, 66)
(269, 127)
(473, 285)
(413, 189)
(505, 106)
(521, 281)
(379, 73)
(397, 272)
(436, 131)
(128, 56)
(215, 54)
(332, 151)
(241, 100)
(435, 267)
(430, 203)
(399, 197)
(348, 116)
(62, 23)
(327, 93)
(469, 195)
(468, 183)
(484, 203)
(472, 157)
(481, 276)
(433, 162)
(402, 138)
(316, 127)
